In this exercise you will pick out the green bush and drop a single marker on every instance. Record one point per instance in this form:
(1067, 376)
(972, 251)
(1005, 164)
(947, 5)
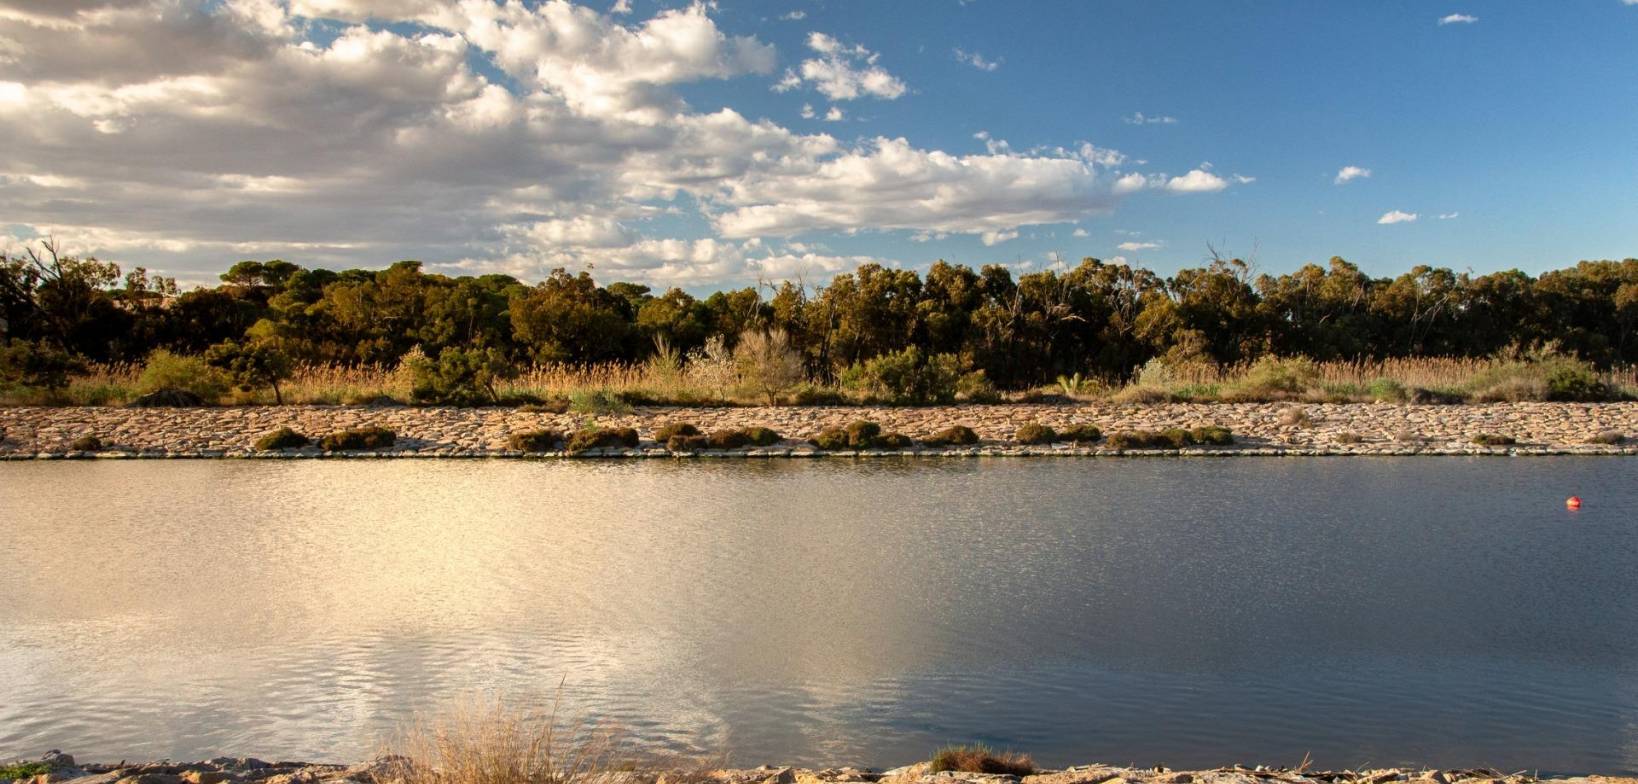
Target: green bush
(862, 434)
(551, 405)
(23, 770)
(692, 442)
(251, 364)
(358, 438)
(598, 402)
(37, 364)
(283, 438)
(535, 440)
(975, 387)
(815, 395)
(830, 439)
(893, 441)
(728, 439)
(459, 376)
(1575, 381)
(1081, 434)
(1035, 433)
(1274, 378)
(954, 435)
(906, 377)
(1494, 439)
(1212, 435)
(665, 432)
(86, 443)
(762, 436)
(165, 372)
(602, 437)
(1387, 390)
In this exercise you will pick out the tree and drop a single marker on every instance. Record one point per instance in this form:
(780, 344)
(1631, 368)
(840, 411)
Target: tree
(37, 364)
(251, 364)
(766, 362)
(460, 376)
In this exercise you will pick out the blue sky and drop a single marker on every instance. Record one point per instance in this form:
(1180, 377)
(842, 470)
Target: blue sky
(689, 144)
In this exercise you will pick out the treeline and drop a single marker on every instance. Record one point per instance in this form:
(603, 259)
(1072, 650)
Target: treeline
(1102, 320)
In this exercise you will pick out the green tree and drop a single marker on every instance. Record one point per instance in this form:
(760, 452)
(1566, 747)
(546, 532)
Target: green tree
(252, 363)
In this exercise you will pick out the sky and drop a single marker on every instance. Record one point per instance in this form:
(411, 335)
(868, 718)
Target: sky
(707, 145)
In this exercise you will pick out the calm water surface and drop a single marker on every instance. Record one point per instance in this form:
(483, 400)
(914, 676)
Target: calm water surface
(1194, 612)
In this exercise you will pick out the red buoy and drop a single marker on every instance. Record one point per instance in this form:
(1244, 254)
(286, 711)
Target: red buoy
(1573, 502)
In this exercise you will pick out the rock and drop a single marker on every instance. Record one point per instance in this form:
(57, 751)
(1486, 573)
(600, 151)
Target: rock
(150, 778)
(57, 759)
(206, 776)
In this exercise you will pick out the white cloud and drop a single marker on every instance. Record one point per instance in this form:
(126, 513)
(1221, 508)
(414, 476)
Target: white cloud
(1136, 246)
(1396, 216)
(1139, 118)
(620, 7)
(1349, 173)
(977, 60)
(1455, 215)
(186, 141)
(1457, 19)
(1196, 181)
(1079, 232)
(794, 16)
(841, 72)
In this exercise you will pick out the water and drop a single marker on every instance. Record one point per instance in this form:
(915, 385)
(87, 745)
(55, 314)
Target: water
(1437, 611)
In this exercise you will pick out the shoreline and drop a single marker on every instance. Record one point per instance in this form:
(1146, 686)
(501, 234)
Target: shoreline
(386, 770)
(1260, 430)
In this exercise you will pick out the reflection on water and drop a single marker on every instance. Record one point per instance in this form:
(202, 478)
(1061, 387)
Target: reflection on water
(1424, 610)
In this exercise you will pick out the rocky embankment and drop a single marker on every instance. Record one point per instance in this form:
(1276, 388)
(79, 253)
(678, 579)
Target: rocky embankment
(1259, 428)
(390, 770)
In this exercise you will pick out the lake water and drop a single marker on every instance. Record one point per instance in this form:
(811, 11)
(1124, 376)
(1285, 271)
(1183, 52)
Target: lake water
(1438, 611)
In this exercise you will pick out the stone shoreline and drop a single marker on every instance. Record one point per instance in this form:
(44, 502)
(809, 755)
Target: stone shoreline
(391, 770)
(1260, 429)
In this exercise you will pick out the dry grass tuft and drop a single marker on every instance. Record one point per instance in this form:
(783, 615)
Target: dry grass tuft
(496, 743)
(978, 758)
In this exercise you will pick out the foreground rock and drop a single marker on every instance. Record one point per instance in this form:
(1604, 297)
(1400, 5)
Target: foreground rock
(389, 770)
(1259, 428)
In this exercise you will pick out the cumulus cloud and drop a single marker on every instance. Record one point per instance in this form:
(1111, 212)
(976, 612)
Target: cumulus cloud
(1350, 173)
(1455, 215)
(842, 72)
(977, 60)
(1396, 216)
(479, 136)
(1136, 246)
(1457, 19)
(1079, 232)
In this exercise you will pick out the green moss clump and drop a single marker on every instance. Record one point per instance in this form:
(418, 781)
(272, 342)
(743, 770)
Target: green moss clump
(1494, 439)
(862, 434)
(358, 438)
(728, 439)
(534, 440)
(283, 438)
(86, 443)
(1081, 434)
(955, 435)
(893, 441)
(602, 438)
(1035, 433)
(664, 432)
(1212, 435)
(830, 439)
(762, 436)
(23, 770)
(686, 442)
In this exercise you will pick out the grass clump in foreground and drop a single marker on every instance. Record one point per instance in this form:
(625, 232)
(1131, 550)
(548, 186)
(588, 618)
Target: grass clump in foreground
(1172, 438)
(1493, 439)
(283, 438)
(86, 443)
(535, 440)
(493, 743)
(978, 758)
(23, 770)
(954, 435)
(601, 438)
(357, 439)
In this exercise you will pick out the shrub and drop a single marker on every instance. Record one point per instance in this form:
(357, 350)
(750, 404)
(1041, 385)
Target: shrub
(552, 405)
(600, 401)
(1386, 390)
(861, 434)
(86, 443)
(954, 435)
(762, 436)
(37, 364)
(23, 770)
(1349, 437)
(358, 438)
(893, 441)
(906, 377)
(164, 372)
(1274, 378)
(1081, 434)
(1434, 397)
(1295, 416)
(251, 364)
(975, 387)
(830, 439)
(1035, 433)
(665, 432)
(766, 362)
(683, 442)
(980, 759)
(1610, 437)
(459, 376)
(1494, 439)
(1212, 435)
(535, 440)
(1143, 395)
(1575, 381)
(283, 438)
(728, 439)
(601, 437)
(815, 395)
(167, 398)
